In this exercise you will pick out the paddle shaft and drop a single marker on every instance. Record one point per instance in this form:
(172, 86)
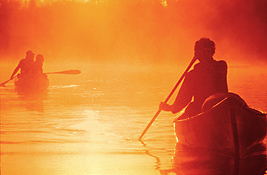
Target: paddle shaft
(61, 72)
(4, 83)
(169, 96)
(66, 72)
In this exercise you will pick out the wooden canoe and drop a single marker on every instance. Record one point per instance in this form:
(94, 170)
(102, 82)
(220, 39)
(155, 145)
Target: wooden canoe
(229, 126)
(26, 85)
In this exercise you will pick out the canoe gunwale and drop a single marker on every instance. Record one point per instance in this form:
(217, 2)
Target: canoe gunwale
(244, 106)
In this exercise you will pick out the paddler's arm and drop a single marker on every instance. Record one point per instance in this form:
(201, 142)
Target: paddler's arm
(16, 70)
(165, 107)
(177, 106)
(183, 98)
(14, 73)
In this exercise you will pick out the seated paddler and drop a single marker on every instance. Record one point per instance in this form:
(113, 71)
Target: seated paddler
(24, 66)
(208, 77)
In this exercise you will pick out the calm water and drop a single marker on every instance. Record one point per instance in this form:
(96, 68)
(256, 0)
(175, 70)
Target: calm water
(90, 124)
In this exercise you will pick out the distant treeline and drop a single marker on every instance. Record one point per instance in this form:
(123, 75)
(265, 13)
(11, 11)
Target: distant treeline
(95, 28)
(128, 28)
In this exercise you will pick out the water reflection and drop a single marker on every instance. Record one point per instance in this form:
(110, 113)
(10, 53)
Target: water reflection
(33, 101)
(189, 161)
(203, 162)
(147, 151)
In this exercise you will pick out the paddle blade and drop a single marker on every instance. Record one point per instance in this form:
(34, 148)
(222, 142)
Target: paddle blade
(66, 72)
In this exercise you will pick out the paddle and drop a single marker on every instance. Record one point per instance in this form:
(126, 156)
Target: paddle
(4, 83)
(71, 72)
(169, 96)
(66, 72)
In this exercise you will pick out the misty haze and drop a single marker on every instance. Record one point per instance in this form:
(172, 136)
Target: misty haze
(82, 80)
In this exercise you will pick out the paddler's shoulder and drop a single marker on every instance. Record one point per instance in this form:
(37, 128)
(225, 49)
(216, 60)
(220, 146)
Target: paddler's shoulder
(221, 64)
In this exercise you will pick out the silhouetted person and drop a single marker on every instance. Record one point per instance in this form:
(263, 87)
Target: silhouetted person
(24, 65)
(37, 66)
(207, 78)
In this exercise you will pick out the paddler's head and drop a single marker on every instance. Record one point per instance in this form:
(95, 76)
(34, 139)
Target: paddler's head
(39, 58)
(29, 55)
(204, 50)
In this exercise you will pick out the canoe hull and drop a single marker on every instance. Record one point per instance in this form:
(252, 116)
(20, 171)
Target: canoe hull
(229, 127)
(31, 85)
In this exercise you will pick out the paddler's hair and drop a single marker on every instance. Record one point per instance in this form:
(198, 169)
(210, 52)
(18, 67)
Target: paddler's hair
(40, 58)
(205, 43)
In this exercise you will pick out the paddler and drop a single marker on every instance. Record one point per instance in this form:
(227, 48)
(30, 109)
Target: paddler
(24, 65)
(207, 78)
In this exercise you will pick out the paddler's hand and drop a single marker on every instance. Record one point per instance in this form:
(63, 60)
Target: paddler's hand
(165, 107)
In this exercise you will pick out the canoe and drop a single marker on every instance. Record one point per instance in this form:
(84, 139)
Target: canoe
(26, 85)
(227, 125)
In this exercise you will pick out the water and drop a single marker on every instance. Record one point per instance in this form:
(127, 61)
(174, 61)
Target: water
(90, 124)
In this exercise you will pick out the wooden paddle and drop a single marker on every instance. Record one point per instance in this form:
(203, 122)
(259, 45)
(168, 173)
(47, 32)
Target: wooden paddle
(169, 96)
(66, 72)
(4, 83)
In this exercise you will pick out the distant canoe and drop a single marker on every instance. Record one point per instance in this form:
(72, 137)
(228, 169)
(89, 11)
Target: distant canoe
(37, 84)
(229, 127)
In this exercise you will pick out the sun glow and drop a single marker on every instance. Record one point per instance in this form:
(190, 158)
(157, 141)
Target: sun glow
(164, 3)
